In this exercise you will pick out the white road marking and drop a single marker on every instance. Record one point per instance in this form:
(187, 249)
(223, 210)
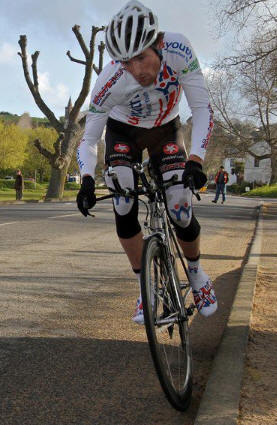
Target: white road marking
(67, 215)
(11, 222)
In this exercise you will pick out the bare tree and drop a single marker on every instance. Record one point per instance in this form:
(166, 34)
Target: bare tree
(246, 107)
(69, 132)
(244, 15)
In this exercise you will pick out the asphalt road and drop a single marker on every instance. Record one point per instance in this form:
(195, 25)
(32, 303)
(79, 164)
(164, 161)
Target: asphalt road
(69, 352)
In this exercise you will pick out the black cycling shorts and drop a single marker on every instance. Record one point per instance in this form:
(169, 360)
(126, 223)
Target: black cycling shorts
(165, 145)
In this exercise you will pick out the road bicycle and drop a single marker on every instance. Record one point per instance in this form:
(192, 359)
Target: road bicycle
(165, 286)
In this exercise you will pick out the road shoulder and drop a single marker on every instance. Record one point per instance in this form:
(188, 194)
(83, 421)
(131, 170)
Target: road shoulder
(220, 402)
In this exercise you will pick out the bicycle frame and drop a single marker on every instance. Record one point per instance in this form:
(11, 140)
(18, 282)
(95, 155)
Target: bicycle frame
(165, 306)
(157, 220)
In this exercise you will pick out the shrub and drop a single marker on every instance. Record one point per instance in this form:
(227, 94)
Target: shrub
(72, 186)
(239, 188)
(9, 184)
(32, 185)
(6, 184)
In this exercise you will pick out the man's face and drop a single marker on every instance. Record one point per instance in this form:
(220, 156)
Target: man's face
(144, 67)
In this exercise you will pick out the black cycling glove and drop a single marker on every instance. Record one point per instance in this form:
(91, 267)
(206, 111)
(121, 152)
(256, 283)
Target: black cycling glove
(86, 198)
(194, 169)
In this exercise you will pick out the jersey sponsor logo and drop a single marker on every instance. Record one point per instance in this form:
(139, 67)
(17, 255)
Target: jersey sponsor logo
(168, 85)
(105, 98)
(176, 48)
(140, 108)
(135, 105)
(120, 155)
(169, 158)
(123, 162)
(175, 166)
(102, 95)
(170, 149)
(167, 80)
(79, 161)
(97, 111)
(133, 120)
(192, 67)
(205, 141)
(121, 148)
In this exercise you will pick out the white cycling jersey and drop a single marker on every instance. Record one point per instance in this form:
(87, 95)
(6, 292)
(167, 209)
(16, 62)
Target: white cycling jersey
(118, 95)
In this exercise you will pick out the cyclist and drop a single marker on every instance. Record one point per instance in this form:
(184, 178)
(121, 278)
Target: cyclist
(137, 96)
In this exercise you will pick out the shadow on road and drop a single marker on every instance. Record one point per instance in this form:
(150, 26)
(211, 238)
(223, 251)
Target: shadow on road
(66, 381)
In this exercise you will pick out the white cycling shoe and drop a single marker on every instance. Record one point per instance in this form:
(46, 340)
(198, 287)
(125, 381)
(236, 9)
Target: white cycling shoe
(205, 299)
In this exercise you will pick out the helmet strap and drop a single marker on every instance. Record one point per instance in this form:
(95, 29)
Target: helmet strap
(157, 51)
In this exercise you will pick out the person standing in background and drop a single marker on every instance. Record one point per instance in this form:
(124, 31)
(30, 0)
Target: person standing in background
(19, 185)
(221, 179)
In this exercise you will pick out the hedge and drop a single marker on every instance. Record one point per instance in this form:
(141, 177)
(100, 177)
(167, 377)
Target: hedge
(9, 184)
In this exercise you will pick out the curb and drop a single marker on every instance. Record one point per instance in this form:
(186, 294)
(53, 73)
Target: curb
(220, 402)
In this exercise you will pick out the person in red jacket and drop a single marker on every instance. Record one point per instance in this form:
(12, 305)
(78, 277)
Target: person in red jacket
(221, 179)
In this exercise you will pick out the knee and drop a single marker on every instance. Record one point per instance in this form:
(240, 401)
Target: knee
(179, 205)
(125, 208)
(190, 233)
(128, 225)
(122, 204)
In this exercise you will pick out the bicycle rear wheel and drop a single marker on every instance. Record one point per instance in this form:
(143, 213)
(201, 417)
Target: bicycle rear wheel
(166, 324)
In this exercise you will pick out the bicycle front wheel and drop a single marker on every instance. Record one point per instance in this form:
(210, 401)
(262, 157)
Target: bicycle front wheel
(166, 324)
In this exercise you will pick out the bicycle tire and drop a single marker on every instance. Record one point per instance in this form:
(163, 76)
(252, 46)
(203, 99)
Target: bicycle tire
(168, 336)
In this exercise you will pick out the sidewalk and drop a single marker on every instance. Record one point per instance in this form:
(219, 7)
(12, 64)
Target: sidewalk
(259, 390)
(238, 380)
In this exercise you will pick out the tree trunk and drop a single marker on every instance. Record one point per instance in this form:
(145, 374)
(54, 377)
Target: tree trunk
(273, 178)
(56, 184)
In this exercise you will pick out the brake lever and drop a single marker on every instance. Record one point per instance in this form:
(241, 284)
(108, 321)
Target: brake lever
(192, 188)
(196, 194)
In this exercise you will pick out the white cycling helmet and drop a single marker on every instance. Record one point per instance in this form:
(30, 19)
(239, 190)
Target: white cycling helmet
(131, 30)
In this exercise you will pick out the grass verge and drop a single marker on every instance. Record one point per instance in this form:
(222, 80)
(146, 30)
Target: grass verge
(263, 192)
(39, 194)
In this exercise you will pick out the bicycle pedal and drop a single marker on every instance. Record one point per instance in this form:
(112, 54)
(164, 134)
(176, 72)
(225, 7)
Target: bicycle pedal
(190, 309)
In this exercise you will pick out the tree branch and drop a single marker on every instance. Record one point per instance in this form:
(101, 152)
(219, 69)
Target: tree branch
(45, 152)
(34, 68)
(33, 86)
(238, 6)
(76, 30)
(58, 145)
(75, 60)
(101, 49)
(259, 157)
(249, 59)
(88, 70)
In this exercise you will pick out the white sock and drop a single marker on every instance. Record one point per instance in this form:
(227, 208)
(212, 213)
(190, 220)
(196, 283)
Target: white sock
(198, 277)
(138, 278)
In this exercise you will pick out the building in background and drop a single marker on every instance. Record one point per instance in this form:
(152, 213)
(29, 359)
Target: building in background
(258, 171)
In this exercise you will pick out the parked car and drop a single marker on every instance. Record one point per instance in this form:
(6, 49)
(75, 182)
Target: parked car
(9, 178)
(74, 179)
